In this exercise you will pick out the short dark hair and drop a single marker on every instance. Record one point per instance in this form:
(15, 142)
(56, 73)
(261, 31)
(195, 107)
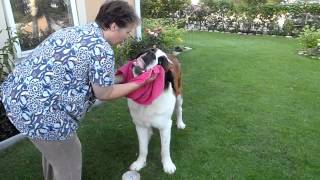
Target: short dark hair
(116, 11)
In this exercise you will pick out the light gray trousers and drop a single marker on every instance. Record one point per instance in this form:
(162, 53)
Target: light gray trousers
(61, 160)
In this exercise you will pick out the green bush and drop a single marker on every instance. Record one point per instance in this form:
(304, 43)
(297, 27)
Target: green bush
(129, 49)
(288, 27)
(7, 54)
(162, 8)
(160, 33)
(308, 38)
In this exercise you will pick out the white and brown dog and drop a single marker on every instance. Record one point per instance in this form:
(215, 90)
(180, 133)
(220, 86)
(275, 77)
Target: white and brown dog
(158, 113)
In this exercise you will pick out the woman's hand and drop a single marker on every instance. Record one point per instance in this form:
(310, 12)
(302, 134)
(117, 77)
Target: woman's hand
(118, 79)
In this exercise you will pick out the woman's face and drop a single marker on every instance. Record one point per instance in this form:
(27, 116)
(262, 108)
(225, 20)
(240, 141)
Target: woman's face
(117, 35)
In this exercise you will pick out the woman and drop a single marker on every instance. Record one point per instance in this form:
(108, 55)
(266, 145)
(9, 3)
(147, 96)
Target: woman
(50, 90)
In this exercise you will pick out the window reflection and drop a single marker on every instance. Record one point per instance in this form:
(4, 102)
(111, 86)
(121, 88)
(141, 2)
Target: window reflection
(37, 19)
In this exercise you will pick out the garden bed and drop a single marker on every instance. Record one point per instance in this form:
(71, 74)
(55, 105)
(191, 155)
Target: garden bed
(7, 130)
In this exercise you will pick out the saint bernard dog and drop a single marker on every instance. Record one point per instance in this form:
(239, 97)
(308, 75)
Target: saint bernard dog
(158, 113)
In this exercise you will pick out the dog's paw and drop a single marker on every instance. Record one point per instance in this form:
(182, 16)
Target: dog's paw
(181, 125)
(169, 167)
(137, 165)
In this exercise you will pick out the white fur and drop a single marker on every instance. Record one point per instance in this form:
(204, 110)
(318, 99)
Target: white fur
(158, 54)
(157, 115)
(161, 53)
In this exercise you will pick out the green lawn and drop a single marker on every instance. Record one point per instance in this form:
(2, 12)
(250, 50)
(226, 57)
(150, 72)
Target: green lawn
(252, 109)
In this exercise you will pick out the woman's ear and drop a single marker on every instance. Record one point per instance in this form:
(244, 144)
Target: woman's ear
(113, 26)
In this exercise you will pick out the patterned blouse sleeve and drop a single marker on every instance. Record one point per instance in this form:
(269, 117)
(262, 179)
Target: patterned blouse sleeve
(102, 67)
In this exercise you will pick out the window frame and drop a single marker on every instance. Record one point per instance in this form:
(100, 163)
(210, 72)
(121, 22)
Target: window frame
(9, 18)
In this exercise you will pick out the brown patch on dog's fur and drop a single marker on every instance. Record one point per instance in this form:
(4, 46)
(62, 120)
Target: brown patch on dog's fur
(175, 70)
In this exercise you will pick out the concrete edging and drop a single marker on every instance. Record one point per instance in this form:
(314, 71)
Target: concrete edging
(11, 141)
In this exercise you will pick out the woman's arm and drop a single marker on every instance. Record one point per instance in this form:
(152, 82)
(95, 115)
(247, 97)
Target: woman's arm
(117, 90)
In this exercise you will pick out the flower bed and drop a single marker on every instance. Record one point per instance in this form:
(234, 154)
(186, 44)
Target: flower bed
(7, 130)
(285, 20)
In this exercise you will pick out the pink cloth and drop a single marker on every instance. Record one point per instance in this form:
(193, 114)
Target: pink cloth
(149, 92)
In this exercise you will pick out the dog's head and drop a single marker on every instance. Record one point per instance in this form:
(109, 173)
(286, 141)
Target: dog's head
(149, 59)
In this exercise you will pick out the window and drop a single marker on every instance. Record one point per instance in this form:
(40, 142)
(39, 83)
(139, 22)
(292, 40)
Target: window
(35, 20)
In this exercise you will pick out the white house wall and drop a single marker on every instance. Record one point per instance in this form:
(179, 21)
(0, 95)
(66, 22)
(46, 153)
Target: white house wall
(3, 25)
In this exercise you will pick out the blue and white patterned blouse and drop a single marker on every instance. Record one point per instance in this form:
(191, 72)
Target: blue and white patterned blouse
(50, 90)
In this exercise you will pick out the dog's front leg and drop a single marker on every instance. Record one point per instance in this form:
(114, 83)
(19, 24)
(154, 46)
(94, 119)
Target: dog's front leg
(167, 163)
(144, 135)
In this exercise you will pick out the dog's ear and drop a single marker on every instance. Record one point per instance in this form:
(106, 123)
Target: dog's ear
(142, 52)
(145, 51)
(169, 78)
(163, 61)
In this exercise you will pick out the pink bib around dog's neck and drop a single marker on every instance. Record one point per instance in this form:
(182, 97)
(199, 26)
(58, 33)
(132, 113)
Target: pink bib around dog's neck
(149, 92)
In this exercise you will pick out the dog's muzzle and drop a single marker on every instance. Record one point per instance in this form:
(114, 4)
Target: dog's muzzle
(139, 66)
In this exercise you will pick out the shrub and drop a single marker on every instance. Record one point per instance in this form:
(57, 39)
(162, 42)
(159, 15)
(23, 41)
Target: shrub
(163, 33)
(308, 38)
(129, 49)
(7, 54)
(288, 27)
(160, 33)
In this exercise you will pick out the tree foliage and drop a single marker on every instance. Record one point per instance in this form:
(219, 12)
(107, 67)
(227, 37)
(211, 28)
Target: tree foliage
(162, 8)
